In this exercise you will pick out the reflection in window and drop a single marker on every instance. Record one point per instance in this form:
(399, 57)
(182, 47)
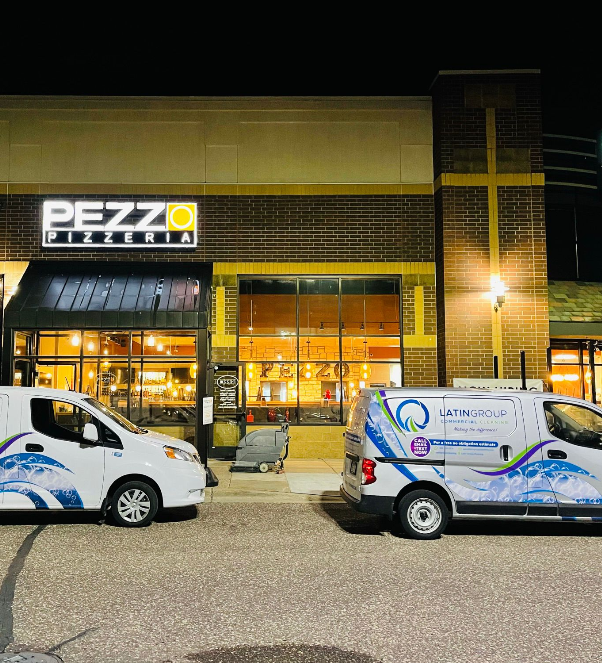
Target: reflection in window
(574, 424)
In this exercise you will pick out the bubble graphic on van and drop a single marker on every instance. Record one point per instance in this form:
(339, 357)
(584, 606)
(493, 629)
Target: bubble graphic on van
(30, 473)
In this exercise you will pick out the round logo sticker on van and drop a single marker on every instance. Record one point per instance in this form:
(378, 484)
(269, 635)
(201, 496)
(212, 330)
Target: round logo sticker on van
(420, 446)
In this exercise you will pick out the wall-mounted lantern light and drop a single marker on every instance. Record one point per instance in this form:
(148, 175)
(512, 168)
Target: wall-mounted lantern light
(498, 294)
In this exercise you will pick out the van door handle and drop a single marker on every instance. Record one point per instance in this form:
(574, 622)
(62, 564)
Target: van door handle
(505, 451)
(34, 447)
(556, 453)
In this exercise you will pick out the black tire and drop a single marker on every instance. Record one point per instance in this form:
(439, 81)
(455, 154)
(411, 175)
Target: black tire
(423, 514)
(145, 500)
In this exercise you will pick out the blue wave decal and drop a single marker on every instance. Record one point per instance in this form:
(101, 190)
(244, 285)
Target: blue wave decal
(25, 489)
(24, 473)
(375, 435)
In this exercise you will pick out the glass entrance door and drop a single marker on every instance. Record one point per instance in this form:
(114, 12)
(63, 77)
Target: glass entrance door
(229, 412)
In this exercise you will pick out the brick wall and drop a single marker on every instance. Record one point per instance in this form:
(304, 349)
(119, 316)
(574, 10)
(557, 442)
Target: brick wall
(523, 270)
(462, 223)
(259, 229)
(463, 257)
(340, 228)
(458, 125)
(420, 367)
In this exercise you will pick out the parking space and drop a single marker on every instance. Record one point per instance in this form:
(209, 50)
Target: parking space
(303, 583)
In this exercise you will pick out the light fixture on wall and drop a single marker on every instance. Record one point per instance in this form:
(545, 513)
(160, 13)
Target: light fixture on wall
(498, 294)
(151, 341)
(75, 340)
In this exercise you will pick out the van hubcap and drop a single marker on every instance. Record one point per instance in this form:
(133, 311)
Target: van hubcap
(424, 515)
(134, 505)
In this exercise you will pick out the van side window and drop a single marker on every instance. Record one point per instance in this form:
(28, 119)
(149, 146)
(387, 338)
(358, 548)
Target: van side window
(58, 419)
(574, 424)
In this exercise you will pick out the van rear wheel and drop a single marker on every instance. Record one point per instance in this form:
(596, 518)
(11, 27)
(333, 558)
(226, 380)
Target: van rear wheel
(134, 504)
(423, 514)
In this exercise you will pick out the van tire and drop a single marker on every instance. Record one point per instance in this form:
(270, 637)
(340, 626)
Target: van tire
(142, 496)
(423, 514)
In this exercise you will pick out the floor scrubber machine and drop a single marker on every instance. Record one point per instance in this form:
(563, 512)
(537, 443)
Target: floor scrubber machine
(262, 449)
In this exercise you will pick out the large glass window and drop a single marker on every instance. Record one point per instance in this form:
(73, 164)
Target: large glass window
(576, 369)
(311, 343)
(148, 377)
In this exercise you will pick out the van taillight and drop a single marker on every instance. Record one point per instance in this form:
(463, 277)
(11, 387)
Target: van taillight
(368, 471)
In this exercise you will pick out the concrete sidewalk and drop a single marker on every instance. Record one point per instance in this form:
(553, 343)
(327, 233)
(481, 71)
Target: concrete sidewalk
(303, 481)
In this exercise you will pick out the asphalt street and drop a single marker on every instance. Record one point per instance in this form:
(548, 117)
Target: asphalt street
(298, 582)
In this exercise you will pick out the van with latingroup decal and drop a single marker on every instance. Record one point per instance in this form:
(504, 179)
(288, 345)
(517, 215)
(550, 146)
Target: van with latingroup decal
(424, 456)
(64, 450)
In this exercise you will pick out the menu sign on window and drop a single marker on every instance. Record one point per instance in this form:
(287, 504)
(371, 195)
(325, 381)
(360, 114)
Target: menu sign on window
(225, 391)
(118, 224)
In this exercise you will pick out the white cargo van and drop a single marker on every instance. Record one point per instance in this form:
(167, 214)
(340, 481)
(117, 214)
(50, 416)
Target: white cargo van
(64, 450)
(427, 455)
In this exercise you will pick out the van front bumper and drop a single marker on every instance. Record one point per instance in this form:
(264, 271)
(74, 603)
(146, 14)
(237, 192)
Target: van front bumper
(381, 505)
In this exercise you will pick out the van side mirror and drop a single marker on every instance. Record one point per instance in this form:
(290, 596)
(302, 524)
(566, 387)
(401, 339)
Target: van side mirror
(90, 433)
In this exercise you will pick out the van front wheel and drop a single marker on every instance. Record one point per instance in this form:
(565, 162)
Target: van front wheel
(134, 504)
(423, 514)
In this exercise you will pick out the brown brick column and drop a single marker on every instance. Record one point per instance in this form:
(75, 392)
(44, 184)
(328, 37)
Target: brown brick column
(489, 224)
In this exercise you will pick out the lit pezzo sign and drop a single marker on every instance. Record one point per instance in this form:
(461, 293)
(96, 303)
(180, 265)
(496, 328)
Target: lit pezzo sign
(119, 224)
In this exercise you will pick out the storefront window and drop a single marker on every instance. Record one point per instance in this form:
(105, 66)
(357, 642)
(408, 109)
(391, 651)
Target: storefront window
(59, 343)
(268, 307)
(153, 388)
(319, 306)
(294, 368)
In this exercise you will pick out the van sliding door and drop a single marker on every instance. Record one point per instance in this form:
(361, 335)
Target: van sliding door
(485, 450)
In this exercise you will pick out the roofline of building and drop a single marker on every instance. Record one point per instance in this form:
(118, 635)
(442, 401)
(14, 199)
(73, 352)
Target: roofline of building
(58, 102)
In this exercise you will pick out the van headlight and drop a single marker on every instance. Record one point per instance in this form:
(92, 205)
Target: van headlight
(178, 454)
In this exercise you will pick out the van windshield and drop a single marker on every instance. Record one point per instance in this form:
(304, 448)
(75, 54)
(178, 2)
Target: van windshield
(115, 416)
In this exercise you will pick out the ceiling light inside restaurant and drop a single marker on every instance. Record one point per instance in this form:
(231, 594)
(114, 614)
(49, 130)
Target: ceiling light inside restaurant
(75, 340)
(151, 341)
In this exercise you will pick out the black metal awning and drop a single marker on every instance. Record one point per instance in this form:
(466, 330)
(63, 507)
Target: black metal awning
(111, 295)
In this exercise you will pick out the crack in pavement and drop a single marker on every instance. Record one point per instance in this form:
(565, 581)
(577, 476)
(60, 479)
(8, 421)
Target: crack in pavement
(7, 590)
(82, 634)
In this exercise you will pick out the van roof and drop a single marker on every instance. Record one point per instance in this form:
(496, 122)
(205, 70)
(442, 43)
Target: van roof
(455, 391)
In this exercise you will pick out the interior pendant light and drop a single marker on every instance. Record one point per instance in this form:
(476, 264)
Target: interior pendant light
(151, 341)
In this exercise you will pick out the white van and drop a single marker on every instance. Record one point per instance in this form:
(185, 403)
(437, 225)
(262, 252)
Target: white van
(427, 455)
(64, 450)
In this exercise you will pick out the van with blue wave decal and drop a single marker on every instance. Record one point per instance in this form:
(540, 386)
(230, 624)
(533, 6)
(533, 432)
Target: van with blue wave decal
(424, 456)
(64, 450)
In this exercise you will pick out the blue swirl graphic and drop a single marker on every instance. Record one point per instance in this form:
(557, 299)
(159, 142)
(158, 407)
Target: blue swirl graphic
(409, 424)
(23, 473)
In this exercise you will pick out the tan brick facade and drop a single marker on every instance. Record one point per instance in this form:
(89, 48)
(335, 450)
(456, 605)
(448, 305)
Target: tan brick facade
(489, 225)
